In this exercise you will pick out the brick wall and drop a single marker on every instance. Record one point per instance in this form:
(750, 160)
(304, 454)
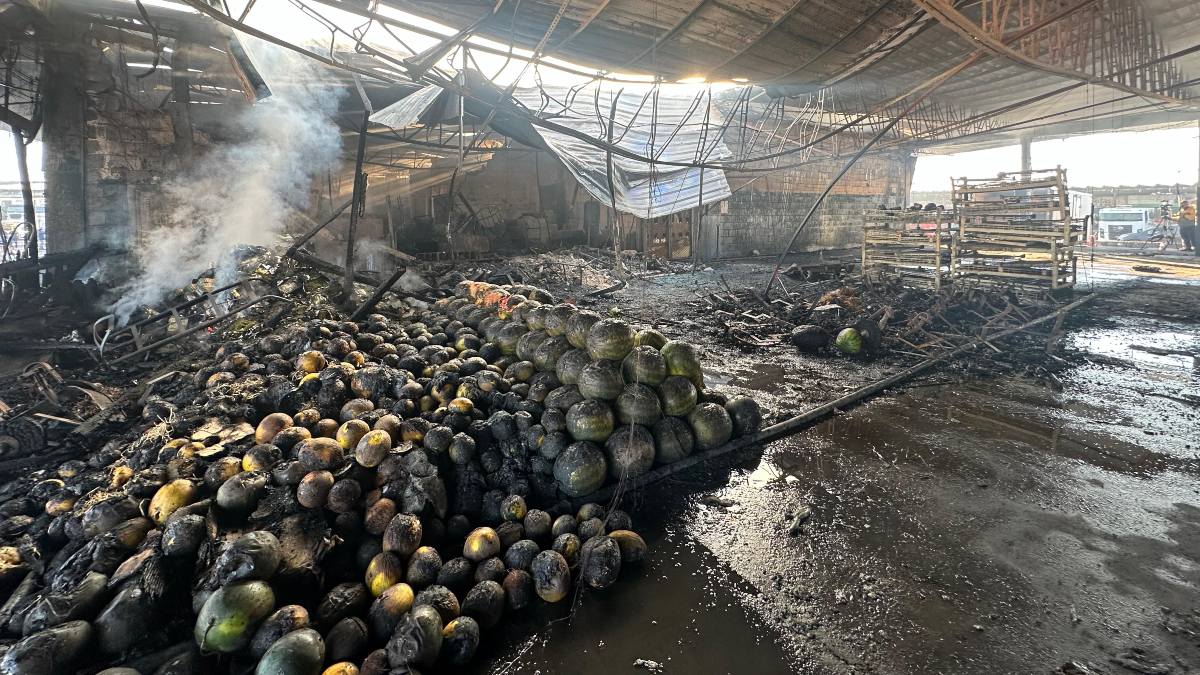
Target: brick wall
(106, 159)
(130, 153)
(762, 216)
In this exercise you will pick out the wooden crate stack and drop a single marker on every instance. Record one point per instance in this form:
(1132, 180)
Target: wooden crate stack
(1016, 229)
(910, 244)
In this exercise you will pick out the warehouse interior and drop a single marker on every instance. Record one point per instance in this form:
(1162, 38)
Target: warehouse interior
(539, 336)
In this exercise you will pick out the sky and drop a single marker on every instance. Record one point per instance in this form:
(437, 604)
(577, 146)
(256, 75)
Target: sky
(8, 159)
(1165, 156)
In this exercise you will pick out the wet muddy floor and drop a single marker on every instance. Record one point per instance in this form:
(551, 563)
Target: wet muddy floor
(963, 524)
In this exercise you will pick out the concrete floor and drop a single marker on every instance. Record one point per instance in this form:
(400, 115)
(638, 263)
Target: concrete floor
(978, 526)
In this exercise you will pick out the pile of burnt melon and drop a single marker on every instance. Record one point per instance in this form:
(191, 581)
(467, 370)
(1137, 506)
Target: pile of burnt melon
(348, 497)
(614, 401)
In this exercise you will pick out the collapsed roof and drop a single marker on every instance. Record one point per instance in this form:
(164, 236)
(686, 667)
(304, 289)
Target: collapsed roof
(813, 79)
(1070, 66)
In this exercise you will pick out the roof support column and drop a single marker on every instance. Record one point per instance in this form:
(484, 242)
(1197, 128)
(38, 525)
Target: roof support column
(1026, 154)
(64, 135)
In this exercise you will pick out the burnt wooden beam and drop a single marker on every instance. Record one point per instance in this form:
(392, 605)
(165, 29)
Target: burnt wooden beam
(365, 308)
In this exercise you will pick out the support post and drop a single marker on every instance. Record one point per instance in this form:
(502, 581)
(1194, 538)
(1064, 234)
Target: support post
(181, 116)
(357, 201)
(612, 189)
(26, 190)
(64, 135)
(697, 253)
(1026, 154)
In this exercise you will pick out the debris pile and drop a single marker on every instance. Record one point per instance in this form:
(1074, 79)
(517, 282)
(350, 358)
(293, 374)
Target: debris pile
(352, 496)
(565, 272)
(871, 320)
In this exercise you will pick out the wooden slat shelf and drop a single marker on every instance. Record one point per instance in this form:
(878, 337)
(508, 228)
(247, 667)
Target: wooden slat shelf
(907, 244)
(1032, 216)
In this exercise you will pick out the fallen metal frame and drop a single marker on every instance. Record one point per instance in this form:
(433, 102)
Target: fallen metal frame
(115, 338)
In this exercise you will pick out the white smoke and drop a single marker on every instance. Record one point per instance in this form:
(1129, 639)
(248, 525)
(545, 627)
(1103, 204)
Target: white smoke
(242, 193)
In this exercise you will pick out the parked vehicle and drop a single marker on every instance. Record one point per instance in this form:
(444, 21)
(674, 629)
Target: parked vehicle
(1125, 223)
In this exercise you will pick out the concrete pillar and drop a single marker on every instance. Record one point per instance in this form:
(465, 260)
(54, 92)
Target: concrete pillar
(64, 137)
(1027, 154)
(181, 118)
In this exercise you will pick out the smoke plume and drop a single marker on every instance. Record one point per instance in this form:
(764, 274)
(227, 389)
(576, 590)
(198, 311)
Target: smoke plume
(241, 193)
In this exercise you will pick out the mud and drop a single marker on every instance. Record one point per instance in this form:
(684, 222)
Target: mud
(962, 524)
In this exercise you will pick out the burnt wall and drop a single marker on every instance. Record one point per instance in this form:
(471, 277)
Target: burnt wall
(526, 198)
(106, 156)
(130, 154)
(760, 217)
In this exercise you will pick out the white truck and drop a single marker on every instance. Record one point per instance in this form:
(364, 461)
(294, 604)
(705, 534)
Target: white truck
(1125, 223)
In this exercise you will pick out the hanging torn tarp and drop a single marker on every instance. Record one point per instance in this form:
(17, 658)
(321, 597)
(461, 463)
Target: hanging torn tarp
(432, 105)
(669, 123)
(409, 110)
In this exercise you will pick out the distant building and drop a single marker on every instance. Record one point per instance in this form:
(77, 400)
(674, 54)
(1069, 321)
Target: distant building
(1148, 196)
(12, 204)
(12, 212)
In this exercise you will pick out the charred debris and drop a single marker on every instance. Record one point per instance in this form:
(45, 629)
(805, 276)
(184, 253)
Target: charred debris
(497, 311)
(250, 476)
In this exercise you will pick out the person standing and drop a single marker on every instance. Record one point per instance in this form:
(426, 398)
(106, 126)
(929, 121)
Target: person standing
(1187, 226)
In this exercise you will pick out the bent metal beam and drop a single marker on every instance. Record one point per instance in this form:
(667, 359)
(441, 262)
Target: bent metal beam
(956, 21)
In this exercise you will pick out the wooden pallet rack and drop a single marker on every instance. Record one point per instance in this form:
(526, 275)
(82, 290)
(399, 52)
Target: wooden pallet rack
(1016, 229)
(909, 244)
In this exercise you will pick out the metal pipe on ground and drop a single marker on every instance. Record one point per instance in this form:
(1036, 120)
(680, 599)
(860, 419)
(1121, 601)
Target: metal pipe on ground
(367, 306)
(360, 186)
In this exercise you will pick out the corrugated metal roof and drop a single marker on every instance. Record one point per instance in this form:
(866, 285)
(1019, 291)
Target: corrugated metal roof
(672, 125)
(404, 113)
(812, 41)
(755, 39)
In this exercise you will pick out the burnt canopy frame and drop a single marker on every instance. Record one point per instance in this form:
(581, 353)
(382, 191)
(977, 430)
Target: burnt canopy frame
(950, 17)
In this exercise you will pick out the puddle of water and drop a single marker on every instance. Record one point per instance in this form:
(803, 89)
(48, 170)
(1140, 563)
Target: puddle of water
(1119, 342)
